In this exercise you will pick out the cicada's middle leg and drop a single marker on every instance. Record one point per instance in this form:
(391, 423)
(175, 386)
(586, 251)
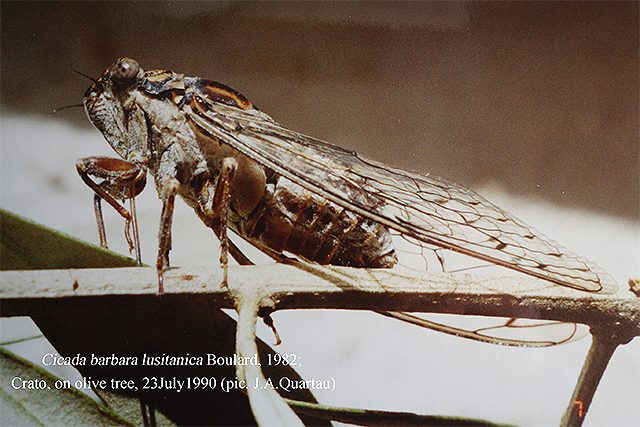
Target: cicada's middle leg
(121, 180)
(169, 189)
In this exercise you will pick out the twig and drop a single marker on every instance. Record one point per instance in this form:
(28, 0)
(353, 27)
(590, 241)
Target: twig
(283, 286)
(605, 341)
(269, 409)
(291, 287)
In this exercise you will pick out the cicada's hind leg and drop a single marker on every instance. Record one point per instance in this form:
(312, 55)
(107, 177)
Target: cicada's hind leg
(121, 179)
(214, 208)
(215, 201)
(223, 192)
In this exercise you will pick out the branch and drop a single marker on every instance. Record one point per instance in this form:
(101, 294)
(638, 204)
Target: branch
(311, 286)
(614, 319)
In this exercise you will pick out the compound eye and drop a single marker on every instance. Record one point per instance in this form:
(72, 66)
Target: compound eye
(124, 71)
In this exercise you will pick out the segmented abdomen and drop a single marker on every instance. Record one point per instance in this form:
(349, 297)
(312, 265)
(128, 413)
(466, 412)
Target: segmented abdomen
(291, 218)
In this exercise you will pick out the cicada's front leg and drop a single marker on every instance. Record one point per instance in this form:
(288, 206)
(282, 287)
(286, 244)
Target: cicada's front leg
(121, 179)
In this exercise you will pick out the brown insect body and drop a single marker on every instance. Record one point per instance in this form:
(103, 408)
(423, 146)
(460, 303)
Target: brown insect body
(142, 118)
(284, 191)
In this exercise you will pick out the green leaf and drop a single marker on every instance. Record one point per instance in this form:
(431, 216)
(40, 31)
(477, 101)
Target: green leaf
(49, 406)
(27, 245)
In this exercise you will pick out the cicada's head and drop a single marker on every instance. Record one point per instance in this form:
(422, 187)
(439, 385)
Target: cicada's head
(110, 106)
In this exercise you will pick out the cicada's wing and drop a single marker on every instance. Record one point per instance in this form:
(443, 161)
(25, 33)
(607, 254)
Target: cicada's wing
(509, 332)
(431, 210)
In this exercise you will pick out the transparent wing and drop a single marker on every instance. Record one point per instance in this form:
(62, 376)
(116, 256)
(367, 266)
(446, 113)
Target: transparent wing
(500, 331)
(431, 210)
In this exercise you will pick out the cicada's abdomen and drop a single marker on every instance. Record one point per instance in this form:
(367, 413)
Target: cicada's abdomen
(291, 218)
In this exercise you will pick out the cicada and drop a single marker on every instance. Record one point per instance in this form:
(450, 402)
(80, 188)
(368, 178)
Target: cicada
(285, 192)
